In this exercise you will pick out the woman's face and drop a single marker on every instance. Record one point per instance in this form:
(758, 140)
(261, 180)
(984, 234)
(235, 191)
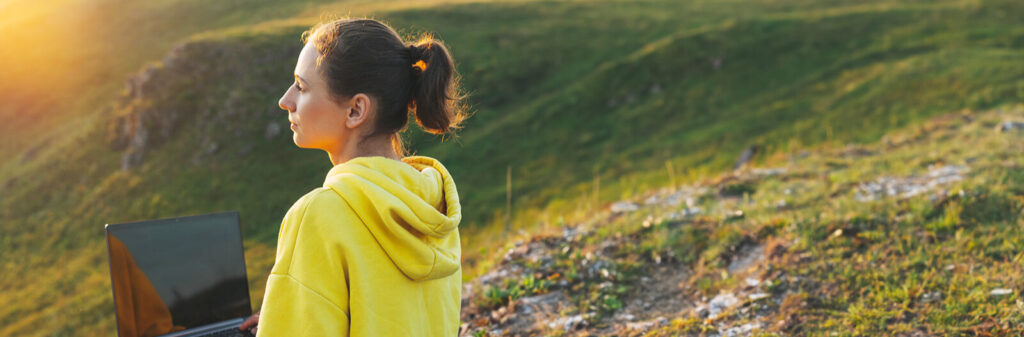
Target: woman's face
(316, 120)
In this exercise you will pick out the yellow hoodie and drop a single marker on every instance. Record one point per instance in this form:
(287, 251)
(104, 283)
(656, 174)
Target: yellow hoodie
(374, 252)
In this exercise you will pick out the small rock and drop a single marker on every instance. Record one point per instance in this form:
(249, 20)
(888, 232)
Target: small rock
(1001, 292)
(672, 200)
(570, 233)
(648, 222)
(546, 303)
(685, 213)
(737, 214)
(517, 252)
(569, 323)
(757, 296)
(701, 311)
(625, 317)
(660, 321)
(931, 297)
(752, 282)
(905, 187)
(498, 314)
(742, 330)
(768, 171)
(640, 326)
(1007, 126)
(624, 207)
(720, 303)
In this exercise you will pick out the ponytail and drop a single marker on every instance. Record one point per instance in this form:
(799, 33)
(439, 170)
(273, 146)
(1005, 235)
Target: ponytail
(435, 99)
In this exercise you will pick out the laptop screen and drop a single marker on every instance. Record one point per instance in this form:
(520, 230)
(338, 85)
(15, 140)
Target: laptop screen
(173, 274)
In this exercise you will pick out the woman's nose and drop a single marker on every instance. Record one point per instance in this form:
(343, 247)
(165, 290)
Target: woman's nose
(285, 105)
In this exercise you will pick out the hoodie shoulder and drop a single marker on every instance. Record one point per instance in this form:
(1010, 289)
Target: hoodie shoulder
(313, 212)
(321, 203)
(411, 208)
(317, 195)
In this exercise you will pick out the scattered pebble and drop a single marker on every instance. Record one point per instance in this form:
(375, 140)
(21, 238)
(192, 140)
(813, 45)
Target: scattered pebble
(625, 317)
(569, 323)
(931, 297)
(719, 303)
(646, 325)
(742, 330)
(1007, 126)
(768, 171)
(906, 187)
(683, 214)
(624, 207)
(1001, 292)
(758, 296)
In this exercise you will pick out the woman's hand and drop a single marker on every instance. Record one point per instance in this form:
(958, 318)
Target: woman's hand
(250, 323)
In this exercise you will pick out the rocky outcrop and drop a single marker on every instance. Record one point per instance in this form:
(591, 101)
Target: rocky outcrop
(147, 119)
(226, 89)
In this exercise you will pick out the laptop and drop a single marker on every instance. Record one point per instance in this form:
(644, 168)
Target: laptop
(182, 276)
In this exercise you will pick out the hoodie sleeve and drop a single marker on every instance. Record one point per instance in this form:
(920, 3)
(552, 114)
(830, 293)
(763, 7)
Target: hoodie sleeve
(307, 291)
(294, 309)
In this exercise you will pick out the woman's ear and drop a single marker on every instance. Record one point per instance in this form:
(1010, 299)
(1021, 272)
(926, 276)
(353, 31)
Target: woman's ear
(358, 111)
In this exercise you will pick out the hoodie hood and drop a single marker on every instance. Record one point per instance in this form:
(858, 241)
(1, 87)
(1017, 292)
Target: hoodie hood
(410, 207)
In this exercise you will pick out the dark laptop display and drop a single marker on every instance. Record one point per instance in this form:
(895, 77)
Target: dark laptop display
(174, 274)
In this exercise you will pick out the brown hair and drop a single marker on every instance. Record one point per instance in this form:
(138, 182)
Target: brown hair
(367, 56)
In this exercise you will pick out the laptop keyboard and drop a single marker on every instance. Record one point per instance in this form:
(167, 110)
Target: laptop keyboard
(229, 332)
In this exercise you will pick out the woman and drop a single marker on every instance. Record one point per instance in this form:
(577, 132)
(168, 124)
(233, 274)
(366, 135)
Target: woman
(375, 251)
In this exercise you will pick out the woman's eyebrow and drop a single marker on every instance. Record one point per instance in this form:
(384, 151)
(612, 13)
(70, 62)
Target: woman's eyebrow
(304, 81)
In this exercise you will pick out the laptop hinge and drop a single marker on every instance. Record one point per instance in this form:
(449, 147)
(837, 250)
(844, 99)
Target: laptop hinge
(206, 328)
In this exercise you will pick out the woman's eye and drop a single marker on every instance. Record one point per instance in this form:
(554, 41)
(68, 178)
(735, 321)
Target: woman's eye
(297, 86)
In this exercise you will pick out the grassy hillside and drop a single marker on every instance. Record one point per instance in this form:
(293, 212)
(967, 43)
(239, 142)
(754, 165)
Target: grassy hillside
(566, 93)
(780, 82)
(915, 235)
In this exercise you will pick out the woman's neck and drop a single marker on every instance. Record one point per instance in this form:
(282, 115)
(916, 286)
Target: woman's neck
(380, 146)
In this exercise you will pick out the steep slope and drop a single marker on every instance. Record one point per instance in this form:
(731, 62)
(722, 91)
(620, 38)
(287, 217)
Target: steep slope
(916, 235)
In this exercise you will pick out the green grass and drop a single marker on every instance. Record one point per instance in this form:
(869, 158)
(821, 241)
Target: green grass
(863, 267)
(838, 265)
(565, 93)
